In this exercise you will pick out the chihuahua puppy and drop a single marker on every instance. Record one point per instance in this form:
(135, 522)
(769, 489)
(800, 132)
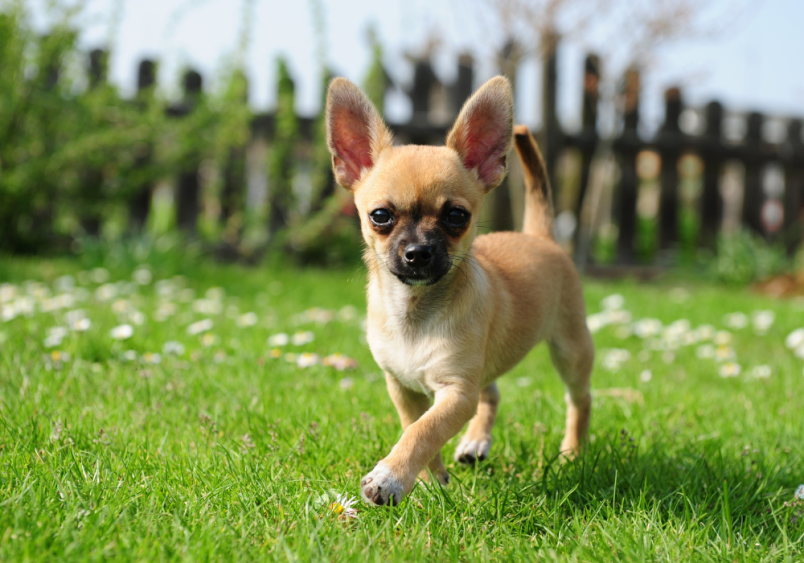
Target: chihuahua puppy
(449, 312)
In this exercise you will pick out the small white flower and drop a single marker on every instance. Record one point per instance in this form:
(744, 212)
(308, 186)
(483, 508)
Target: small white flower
(81, 325)
(52, 341)
(647, 328)
(173, 347)
(280, 339)
(614, 358)
(705, 351)
(722, 338)
(306, 360)
(730, 369)
(200, 326)
(151, 358)
(122, 332)
(137, 317)
(303, 337)
(128, 356)
(795, 339)
(761, 372)
(799, 494)
(343, 507)
(613, 302)
(7, 292)
(594, 322)
(668, 357)
(247, 319)
(705, 332)
(346, 383)
(100, 275)
(723, 353)
(799, 352)
(645, 376)
(209, 339)
(106, 292)
(142, 276)
(523, 381)
(121, 306)
(762, 321)
(735, 321)
(208, 306)
(57, 331)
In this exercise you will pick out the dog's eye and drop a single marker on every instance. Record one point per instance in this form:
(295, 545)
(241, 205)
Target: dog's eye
(381, 217)
(457, 217)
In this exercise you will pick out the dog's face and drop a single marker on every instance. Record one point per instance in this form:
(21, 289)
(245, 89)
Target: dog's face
(419, 205)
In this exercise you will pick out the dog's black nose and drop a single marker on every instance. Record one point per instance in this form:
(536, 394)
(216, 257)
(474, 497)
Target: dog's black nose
(418, 254)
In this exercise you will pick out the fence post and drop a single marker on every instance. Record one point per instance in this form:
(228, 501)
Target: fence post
(712, 155)
(794, 186)
(141, 202)
(670, 141)
(92, 177)
(588, 139)
(501, 216)
(551, 137)
(424, 80)
(461, 89)
(627, 146)
(188, 188)
(234, 170)
(753, 197)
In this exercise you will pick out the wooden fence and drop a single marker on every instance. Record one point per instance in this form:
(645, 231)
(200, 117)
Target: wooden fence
(769, 154)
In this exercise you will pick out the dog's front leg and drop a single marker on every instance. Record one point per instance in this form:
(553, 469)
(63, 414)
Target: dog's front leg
(411, 407)
(394, 476)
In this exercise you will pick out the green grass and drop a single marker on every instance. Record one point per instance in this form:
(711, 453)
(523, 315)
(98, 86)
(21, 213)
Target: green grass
(103, 458)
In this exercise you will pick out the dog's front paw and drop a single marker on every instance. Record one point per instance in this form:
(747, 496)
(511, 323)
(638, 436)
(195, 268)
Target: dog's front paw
(381, 487)
(471, 451)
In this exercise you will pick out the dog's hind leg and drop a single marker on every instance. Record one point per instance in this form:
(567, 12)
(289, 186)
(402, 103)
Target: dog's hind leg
(476, 443)
(573, 354)
(411, 406)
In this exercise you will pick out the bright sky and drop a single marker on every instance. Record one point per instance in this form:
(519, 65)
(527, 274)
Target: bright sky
(756, 65)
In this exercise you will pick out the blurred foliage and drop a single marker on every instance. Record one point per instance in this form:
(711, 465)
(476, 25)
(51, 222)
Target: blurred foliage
(376, 81)
(73, 152)
(282, 154)
(745, 257)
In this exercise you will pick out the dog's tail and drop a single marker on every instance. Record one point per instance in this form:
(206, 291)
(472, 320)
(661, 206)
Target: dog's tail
(538, 198)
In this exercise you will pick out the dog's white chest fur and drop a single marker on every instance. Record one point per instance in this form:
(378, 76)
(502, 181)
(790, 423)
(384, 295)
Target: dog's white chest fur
(411, 358)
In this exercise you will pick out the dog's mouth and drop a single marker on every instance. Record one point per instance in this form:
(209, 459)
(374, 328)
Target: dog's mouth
(419, 281)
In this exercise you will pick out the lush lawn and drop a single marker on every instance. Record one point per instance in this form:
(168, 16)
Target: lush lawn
(223, 452)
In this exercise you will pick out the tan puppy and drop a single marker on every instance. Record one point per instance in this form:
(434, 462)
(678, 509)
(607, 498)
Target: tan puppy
(448, 313)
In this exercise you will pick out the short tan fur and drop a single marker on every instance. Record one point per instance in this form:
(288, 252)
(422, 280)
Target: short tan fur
(449, 311)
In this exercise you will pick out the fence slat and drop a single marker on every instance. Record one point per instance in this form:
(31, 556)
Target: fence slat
(794, 186)
(753, 198)
(671, 139)
(188, 186)
(140, 205)
(627, 146)
(712, 156)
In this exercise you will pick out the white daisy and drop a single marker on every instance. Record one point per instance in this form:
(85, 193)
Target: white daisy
(795, 339)
(730, 369)
(200, 326)
(280, 339)
(303, 337)
(122, 332)
(344, 507)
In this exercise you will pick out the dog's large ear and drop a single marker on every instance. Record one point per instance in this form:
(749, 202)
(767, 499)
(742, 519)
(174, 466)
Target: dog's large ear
(356, 133)
(483, 133)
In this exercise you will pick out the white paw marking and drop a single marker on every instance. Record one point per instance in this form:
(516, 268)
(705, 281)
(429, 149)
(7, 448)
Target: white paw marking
(381, 487)
(470, 451)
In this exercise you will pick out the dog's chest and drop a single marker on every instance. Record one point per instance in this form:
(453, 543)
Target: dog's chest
(414, 358)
